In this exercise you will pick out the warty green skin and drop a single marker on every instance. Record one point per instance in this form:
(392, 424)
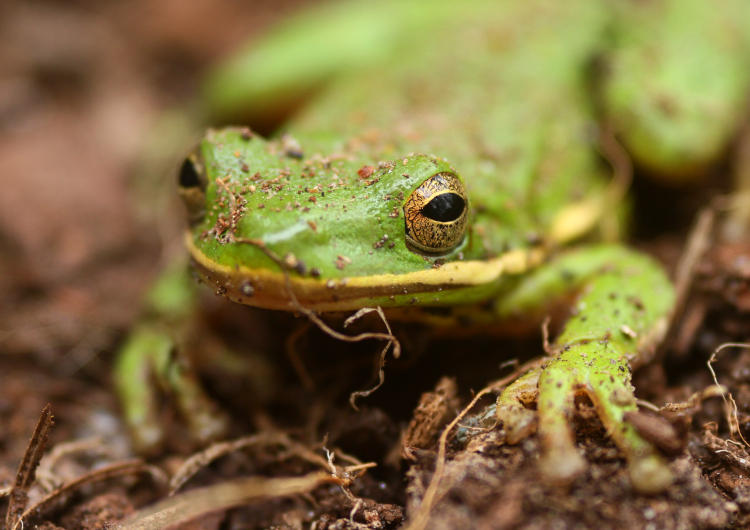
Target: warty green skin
(522, 138)
(503, 101)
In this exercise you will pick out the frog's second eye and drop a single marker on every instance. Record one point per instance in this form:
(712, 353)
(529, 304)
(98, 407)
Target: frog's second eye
(435, 214)
(188, 175)
(192, 186)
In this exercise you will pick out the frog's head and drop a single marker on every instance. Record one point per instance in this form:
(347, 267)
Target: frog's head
(267, 217)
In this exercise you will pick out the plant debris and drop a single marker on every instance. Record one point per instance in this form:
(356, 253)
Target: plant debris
(18, 495)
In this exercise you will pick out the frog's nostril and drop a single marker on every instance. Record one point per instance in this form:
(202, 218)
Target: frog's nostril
(188, 176)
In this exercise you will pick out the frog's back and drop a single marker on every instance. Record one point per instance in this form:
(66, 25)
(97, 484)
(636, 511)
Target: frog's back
(500, 92)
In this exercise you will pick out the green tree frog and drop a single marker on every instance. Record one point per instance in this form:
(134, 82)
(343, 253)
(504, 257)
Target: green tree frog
(449, 158)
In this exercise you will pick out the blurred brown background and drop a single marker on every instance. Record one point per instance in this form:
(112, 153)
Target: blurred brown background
(82, 84)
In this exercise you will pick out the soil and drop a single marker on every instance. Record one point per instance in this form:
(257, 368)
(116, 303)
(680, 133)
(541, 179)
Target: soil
(85, 226)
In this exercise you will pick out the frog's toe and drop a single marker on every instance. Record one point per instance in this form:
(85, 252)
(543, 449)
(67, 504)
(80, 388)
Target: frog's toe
(561, 461)
(649, 473)
(606, 381)
(147, 361)
(613, 396)
(519, 421)
(135, 389)
(204, 418)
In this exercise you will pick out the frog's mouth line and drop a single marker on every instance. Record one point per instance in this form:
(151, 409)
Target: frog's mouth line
(269, 289)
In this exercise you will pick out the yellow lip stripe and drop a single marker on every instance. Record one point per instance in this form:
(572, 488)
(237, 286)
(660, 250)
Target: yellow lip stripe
(269, 286)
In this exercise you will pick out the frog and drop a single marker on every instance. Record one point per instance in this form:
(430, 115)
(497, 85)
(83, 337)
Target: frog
(447, 169)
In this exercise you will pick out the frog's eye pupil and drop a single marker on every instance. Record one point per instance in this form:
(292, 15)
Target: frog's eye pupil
(188, 176)
(445, 207)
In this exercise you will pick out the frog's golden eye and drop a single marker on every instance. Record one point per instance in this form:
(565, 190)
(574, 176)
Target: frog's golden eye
(435, 214)
(192, 186)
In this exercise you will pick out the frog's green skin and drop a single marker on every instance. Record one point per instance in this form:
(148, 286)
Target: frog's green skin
(677, 105)
(498, 98)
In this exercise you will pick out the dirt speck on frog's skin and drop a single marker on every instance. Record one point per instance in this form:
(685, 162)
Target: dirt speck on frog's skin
(342, 261)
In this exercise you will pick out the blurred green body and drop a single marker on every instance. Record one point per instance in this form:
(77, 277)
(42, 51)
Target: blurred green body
(502, 95)
(678, 80)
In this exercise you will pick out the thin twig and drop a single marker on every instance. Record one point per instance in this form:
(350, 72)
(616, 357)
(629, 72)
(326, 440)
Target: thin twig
(27, 468)
(181, 508)
(730, 409)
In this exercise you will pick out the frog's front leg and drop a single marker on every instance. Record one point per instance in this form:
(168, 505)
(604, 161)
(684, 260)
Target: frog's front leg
(149, 360)
(619, 318)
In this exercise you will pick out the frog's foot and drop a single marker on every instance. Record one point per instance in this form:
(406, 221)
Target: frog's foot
(620, 316)
(578, 369)
(148, 357)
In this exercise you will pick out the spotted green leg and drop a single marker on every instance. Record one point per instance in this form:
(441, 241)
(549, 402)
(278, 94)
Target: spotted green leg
(148, 362)
(620, 316)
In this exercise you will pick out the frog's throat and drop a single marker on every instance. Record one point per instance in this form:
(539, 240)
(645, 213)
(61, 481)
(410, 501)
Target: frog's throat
(269, 289)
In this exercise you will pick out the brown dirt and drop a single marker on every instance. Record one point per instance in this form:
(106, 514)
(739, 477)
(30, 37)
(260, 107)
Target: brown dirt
(82, 84)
